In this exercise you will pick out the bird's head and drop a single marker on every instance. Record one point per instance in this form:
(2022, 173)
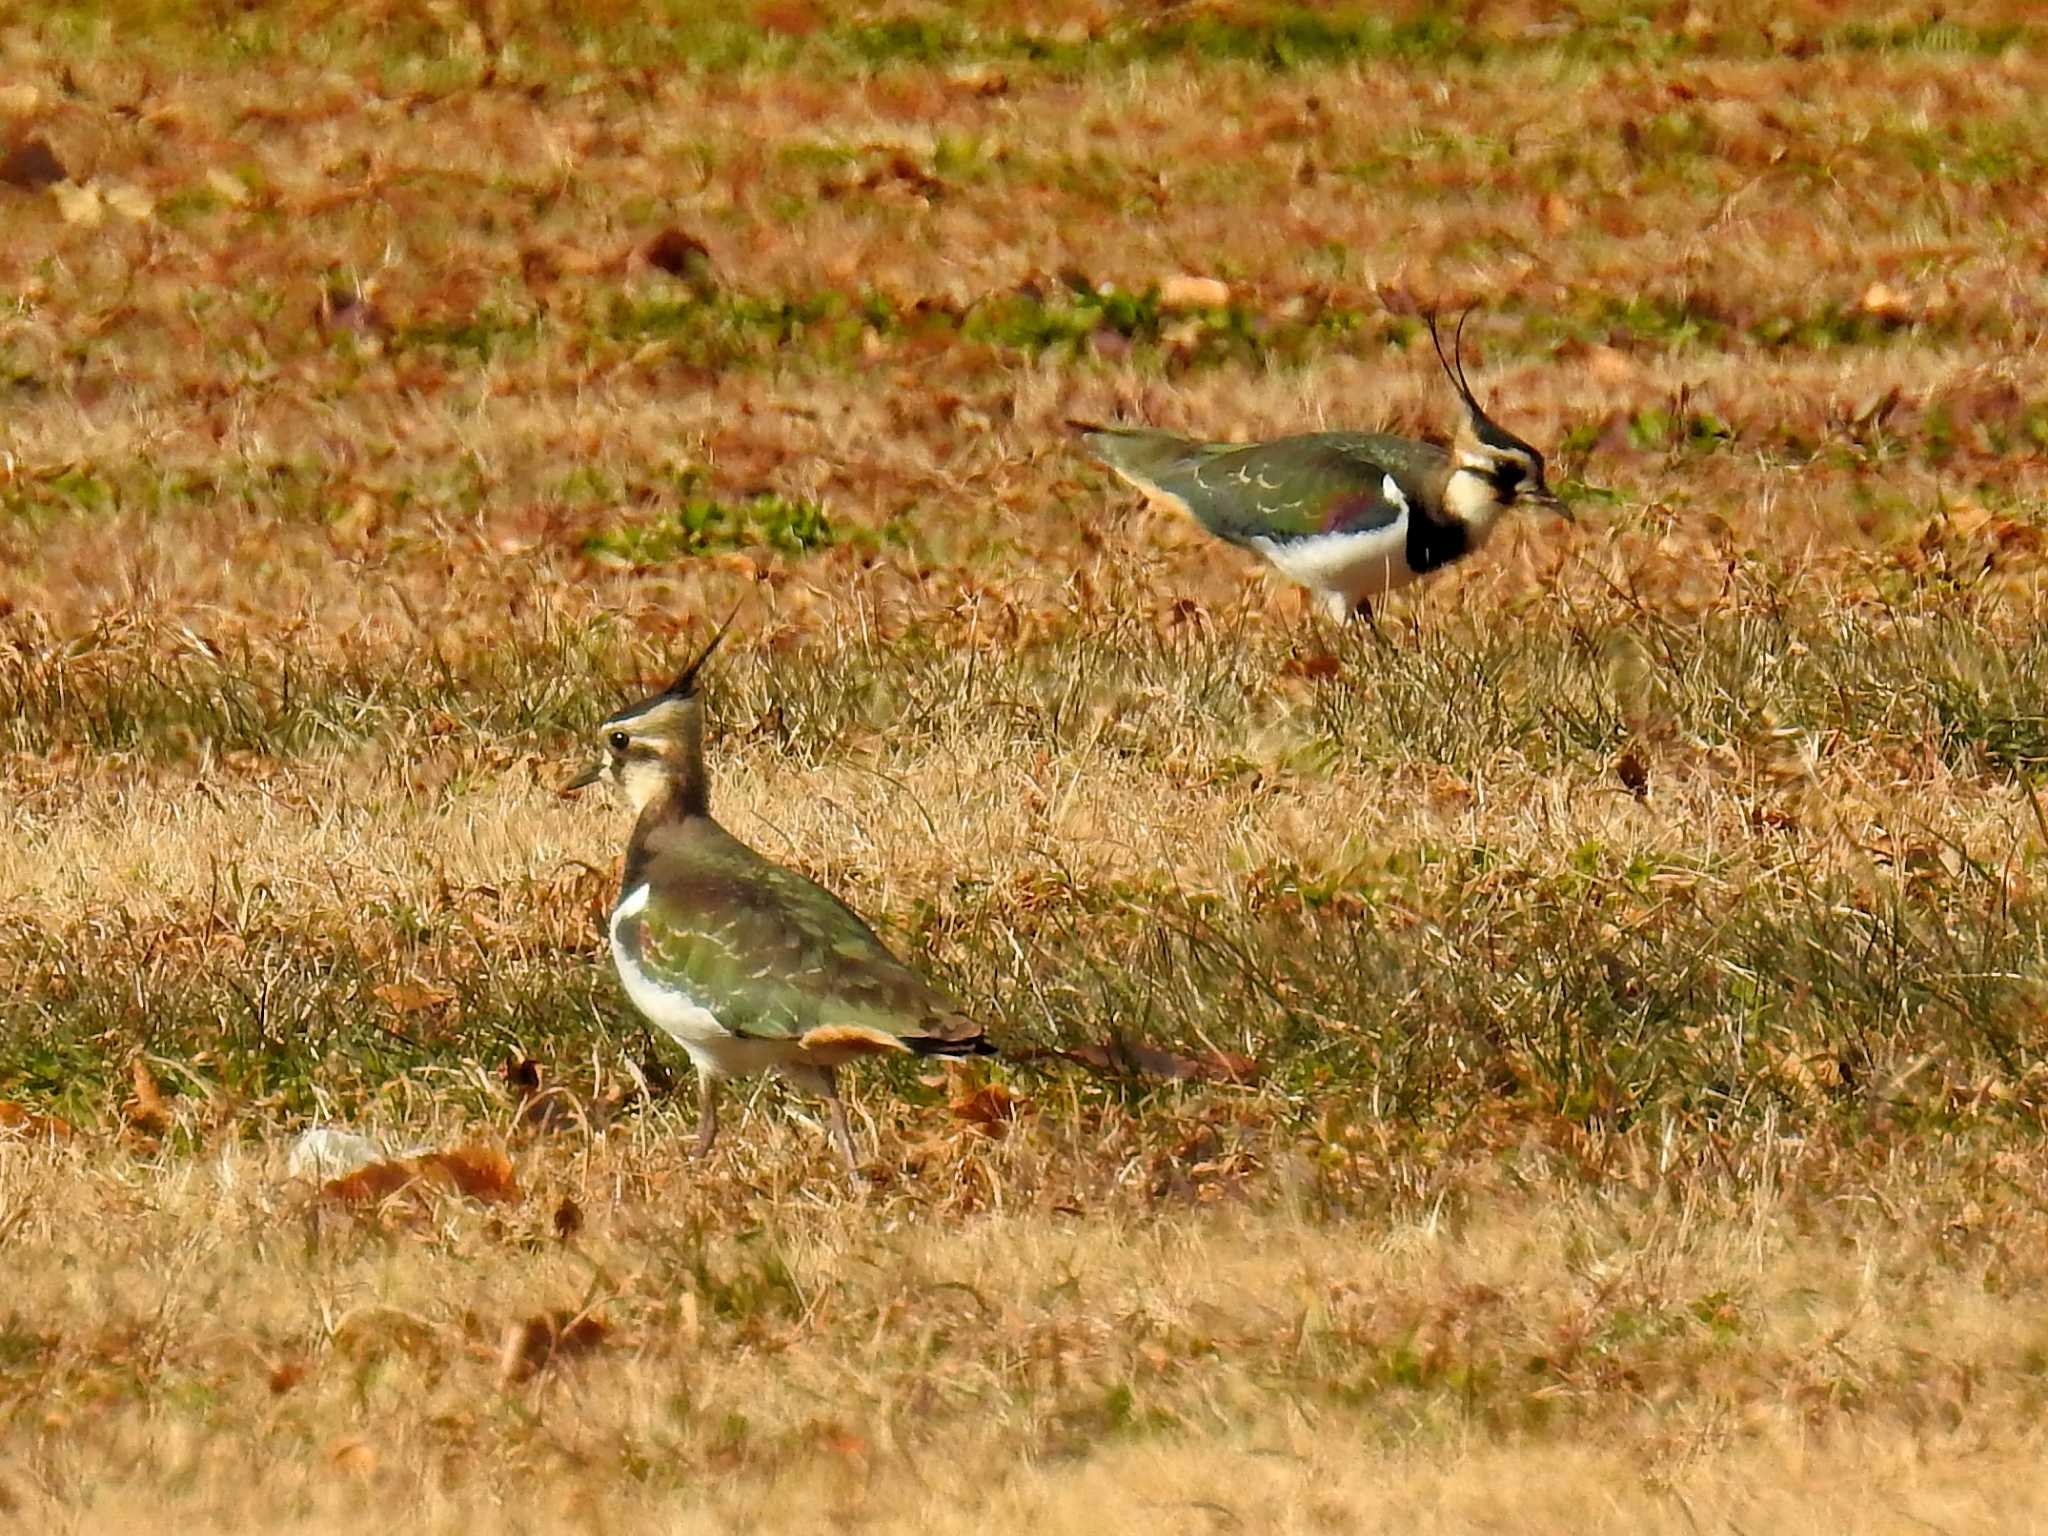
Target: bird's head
(1491, 468)
(655, 748)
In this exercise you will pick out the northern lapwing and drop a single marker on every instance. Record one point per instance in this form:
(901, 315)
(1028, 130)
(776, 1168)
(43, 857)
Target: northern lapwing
(1348, 515)
(748, 966)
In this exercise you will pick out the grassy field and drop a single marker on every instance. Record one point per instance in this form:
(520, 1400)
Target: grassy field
(1636, 948)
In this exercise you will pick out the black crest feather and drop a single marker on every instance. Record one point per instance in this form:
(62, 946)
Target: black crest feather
(685, 684)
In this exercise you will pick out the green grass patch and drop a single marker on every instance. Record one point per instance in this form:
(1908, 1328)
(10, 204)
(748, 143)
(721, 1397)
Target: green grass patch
(698, 523)
(417, 51)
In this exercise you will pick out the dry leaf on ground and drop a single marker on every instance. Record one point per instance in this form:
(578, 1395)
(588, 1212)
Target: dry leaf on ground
(1128, 1058)
(145, 1110)
(568, 1218)
(989, 1108)
(354, 1455)
(549, 1107)
(1886, 303)
(343, 310)
(1318, 668)
(1184, 291)
(1633, 769)
(543, 1339)
(680, 255)
(482, 1173)
(32, 165)
(18, 1124)
(411, 997)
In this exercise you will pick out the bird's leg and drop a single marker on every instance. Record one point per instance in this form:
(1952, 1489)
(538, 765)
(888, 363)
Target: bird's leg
(1364, 610)
(842, 1134)
(707, 1113)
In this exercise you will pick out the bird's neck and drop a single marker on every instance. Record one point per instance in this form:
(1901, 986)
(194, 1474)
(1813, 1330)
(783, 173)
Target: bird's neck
(675, 805)
(690, 783)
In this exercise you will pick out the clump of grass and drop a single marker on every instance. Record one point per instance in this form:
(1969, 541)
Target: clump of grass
(1613, 931)
(699, 523)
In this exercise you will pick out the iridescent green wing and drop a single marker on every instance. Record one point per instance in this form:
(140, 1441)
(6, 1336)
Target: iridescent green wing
(1292, 488)
(772, 954)
(1298, 487)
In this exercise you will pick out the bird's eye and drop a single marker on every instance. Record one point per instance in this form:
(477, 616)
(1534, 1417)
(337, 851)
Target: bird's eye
(618, 741)
(1509, 474)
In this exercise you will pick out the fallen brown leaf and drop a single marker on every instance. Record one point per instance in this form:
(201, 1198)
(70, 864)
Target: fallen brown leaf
(353, 1454)
(482, 1173)
(1633, 769)
(842, 1442)
(546, 1108)
(1127, 1058)
(1183, 291)
(522, 1076)
(1318, 668)
(343, 309)
(411, 997)
(229, 188)
(145, 1110)
(18, 1124)
(1886, 303)
(543, 1339)
(568, 1219)
(680, 255)
(989, 1108)
(32, 165)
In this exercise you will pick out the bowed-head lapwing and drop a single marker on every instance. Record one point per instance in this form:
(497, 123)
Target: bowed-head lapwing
(748, 966)
(1348, 515)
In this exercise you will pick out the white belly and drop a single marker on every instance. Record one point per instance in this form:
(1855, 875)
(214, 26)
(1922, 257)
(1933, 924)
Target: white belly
(1357, 565)
(713, 1048)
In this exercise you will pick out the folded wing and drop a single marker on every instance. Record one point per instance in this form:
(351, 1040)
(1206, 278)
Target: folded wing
(780, 957)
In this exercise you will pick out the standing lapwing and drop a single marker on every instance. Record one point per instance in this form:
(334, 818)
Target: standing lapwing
(746, 965)
(1348, 515)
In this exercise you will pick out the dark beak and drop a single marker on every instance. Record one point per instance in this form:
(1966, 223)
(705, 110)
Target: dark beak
(1543, 496)
(583, 780)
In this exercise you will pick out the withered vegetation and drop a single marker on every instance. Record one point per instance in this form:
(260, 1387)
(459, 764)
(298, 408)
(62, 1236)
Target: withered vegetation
(1571, 1059)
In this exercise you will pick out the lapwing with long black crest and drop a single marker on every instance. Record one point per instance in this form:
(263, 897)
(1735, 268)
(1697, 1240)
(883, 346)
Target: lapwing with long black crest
(748, 966)
(1348, 515)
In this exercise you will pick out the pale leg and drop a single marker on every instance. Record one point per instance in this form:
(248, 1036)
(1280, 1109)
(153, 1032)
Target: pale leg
(842, 1134)
(707, 1112)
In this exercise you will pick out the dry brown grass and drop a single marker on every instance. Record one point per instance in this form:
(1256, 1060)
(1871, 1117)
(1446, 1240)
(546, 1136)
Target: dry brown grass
(1616, 1161)
(1010, 1338)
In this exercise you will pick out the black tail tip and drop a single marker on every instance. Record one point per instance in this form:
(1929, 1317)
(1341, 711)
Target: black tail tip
(954, 1049)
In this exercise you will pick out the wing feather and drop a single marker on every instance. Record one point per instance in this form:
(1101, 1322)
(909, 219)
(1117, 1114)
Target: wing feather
(776, 955)
(1291, 488)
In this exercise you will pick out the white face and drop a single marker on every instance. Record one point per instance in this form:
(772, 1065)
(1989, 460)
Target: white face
(644, 750)
(636, 780)
(1471, 497)
(1488, 479)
